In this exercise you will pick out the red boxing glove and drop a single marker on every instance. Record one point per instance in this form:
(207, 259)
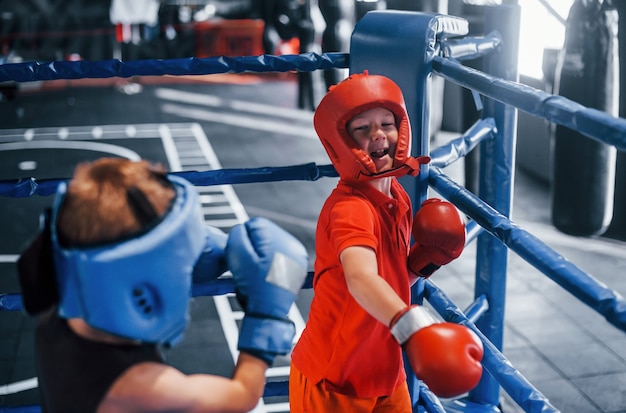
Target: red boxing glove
(445, 356)
(438, 235)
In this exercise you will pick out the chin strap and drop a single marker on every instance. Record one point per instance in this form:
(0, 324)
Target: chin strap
(141, 207)
(410, 167)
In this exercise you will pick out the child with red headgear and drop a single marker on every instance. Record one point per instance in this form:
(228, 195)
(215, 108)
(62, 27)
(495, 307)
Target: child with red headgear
(348, 357)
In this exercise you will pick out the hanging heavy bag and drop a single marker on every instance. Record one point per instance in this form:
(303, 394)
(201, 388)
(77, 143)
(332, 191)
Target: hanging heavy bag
(617, 229)
(587, 72)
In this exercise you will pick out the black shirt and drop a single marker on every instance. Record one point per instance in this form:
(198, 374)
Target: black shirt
(75, 373)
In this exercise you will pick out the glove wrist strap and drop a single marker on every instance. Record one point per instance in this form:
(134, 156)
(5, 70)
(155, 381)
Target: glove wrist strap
(419, 261)
(410, 320)
(266, 337)
(428, 270)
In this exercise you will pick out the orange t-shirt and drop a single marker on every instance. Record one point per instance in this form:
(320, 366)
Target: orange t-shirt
(352, 352)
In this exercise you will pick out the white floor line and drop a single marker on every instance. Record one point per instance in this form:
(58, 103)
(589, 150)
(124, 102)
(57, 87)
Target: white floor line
(18, 386)
(9, 258)
(236, 105)
(257, 124)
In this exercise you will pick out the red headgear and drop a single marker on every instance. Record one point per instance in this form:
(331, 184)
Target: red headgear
(354, 95)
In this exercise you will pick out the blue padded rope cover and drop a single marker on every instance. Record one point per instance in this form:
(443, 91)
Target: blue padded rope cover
(462, 49)
(594, 123)
(586, 288)
(516, 385)
(26, 187)
(85, 69)
(220, 286)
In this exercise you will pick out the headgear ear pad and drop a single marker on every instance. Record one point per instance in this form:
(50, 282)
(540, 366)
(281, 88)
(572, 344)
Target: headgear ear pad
(137, 288)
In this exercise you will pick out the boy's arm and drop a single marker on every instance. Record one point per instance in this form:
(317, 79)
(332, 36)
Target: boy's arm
(445, 356)
(368, 288)
(154, 387)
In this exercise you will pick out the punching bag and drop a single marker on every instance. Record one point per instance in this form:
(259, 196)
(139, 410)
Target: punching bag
(617, 229)
(587, 72)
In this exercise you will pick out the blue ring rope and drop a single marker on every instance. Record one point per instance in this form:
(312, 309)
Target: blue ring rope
(593, 123)
(85, 69)
(462, 49)
(26, 187)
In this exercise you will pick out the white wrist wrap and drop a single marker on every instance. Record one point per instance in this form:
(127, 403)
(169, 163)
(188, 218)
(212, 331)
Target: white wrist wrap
(410, 322)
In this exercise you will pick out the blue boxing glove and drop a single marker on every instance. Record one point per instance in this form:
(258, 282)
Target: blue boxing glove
(212, 261)
(269, 267)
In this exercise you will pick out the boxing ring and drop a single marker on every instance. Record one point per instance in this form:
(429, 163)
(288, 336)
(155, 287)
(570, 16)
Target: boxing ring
(410, 48)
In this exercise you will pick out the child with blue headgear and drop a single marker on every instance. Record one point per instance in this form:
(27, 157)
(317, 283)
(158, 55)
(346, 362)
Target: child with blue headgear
(110, 276)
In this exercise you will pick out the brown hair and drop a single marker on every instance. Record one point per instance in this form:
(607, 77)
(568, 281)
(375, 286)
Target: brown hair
(96, 207)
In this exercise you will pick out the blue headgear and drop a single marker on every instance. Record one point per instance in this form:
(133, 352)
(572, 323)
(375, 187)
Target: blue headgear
(140, 287)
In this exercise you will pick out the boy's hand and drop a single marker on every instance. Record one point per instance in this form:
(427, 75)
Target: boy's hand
(445, 356)
(212, 262)
(269, 266)
(439, 235)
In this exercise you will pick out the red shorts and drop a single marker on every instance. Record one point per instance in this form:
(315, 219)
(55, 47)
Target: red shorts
(305, 397)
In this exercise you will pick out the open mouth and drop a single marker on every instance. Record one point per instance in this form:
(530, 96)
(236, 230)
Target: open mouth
(379, 153)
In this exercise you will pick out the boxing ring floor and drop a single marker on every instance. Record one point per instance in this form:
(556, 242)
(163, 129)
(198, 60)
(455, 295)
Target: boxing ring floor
(214, 124)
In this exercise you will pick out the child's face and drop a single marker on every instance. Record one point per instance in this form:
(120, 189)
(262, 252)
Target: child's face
(376, 133)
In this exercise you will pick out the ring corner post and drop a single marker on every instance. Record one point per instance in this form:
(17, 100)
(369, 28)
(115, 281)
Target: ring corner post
(498, 160)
